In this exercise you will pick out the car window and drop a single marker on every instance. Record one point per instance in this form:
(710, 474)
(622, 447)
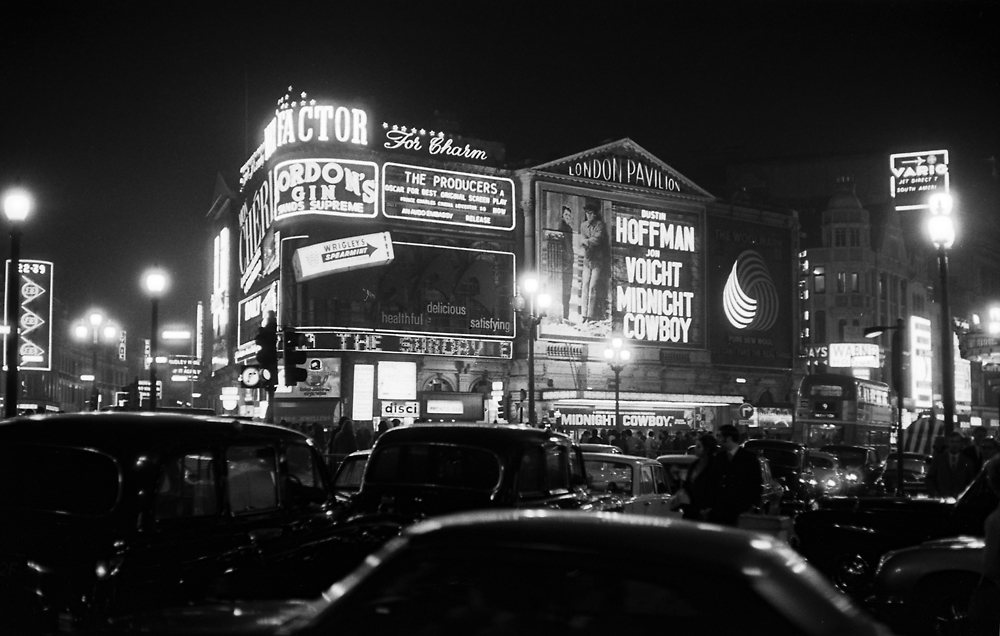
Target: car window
(765, 470)
(187, 487)
(351, 472)
(302, 464)
(504, 590)
(661, 481)
(557, 468)
(777, 456)
(440, 465)
(610, 476)
(646, 486)
(252, 474)
(57, 479)
(531, 472)
(820, 462)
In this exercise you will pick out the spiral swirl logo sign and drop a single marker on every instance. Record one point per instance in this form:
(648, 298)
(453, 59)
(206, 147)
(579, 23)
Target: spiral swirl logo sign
(750, 298)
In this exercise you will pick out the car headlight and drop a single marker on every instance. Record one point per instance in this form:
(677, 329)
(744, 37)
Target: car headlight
(830, 483)
(852, 477)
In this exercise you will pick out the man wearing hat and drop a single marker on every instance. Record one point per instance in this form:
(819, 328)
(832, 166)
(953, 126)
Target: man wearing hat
(597, 261)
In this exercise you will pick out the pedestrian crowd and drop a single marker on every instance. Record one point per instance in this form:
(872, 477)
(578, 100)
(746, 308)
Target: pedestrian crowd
(348, 436)
(642, 443)
(957, 460)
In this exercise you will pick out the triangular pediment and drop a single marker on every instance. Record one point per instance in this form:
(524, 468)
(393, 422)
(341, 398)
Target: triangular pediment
(623, 163)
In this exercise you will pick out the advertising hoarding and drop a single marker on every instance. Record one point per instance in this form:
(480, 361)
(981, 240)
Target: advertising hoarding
(34, 289)
(251, 310)
(333, 187)
(854, 355)
(341, 255)
(447, 197)
(750, 293)
(921, 363)
(426, 289)
(322, 380)
(628, 268)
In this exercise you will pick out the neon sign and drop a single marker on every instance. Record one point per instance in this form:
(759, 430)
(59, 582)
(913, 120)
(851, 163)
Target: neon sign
(443, 196)
(337, 187)
(916, 176)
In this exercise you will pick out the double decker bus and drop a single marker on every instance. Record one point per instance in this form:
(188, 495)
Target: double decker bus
(841, 409)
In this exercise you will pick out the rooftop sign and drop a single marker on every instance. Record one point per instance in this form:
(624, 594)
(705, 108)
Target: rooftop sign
(916, 176)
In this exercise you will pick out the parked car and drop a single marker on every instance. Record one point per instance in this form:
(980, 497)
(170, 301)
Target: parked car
(639, 482)
(845, 536)
(552, 572)
(862, 467)
(600, 448)
(415, 472)
(347, 479)
(111, 512)
(772, 494)
(677, 467)
(915, 467)
(928, 586)
(788, 464)
(828, 475)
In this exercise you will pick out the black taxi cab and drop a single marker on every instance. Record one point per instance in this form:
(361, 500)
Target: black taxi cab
(106, 513)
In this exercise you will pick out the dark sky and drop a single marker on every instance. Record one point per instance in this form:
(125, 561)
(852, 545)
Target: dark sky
(119, 116)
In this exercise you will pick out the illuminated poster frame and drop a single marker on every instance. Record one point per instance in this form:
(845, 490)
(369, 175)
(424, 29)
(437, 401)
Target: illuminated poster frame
(251, 310)
(652, 268)
(447, 197)
(427, 289)
(35, 315)
(915, 176)
(327, 187)
(750, 283)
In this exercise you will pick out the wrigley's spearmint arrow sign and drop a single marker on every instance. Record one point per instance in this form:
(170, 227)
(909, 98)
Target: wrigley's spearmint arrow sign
(341, 255)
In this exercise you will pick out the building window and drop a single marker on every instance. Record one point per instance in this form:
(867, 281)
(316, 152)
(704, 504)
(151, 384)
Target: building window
(841, 326)
(883, 285)
(820, 326)
(840, 237)
(819, 280)
(855, 282)
(841, 282)
(855, 237)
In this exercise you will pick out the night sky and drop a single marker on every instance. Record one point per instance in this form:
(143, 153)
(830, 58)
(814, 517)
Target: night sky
(119, 116)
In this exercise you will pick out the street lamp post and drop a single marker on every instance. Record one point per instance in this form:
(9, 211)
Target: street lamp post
(93, 336)
(156, 283)
(527, 306)
(16, 206)
(898, 332)
(942, 233)
(617, 356)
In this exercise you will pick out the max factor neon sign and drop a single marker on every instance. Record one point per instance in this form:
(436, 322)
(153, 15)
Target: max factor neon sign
(307, 121)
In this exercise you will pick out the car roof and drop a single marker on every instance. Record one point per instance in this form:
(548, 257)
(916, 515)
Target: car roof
(469, 434)
(616, 457)
(659, 536)
(136, 432)
(677, 459)
(774, 443)
(847, 446)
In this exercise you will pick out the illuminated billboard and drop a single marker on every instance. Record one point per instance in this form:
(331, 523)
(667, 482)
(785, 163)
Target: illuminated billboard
(750, 268)
(916, 176)
(341, 255)
(443, 196)
(334, 187)
(611, 266)
(425, 289)
(252, 310)
(921, 363)
(34, 316)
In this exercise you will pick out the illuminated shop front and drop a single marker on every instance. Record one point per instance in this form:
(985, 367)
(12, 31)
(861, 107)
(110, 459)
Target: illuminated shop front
(389, 249)
(699, 290)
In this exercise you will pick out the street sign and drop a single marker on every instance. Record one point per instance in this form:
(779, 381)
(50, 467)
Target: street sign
(746, 411)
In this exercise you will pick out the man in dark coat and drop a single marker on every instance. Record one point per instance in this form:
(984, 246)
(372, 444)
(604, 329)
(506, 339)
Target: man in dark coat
(735, 482)
(951, 471)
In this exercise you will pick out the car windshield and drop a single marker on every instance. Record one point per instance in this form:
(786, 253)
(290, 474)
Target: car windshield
(820, 462)
(778, 457)
(610, 476)
(443, 465)
(912, 464)
(850, 457)
(351, 472)
(57, 479)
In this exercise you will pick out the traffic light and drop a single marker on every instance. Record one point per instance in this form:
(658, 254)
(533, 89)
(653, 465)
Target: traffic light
(267, 351)
(503, 407)
(293, 358)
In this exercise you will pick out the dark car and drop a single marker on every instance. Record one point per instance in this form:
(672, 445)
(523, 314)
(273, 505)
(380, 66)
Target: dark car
(915, 467)
(926, 589)
(347, 479)
(433, 469)
(846, 536)
(553, 573)
(862, 467)
(110, 512)
(789, 465)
